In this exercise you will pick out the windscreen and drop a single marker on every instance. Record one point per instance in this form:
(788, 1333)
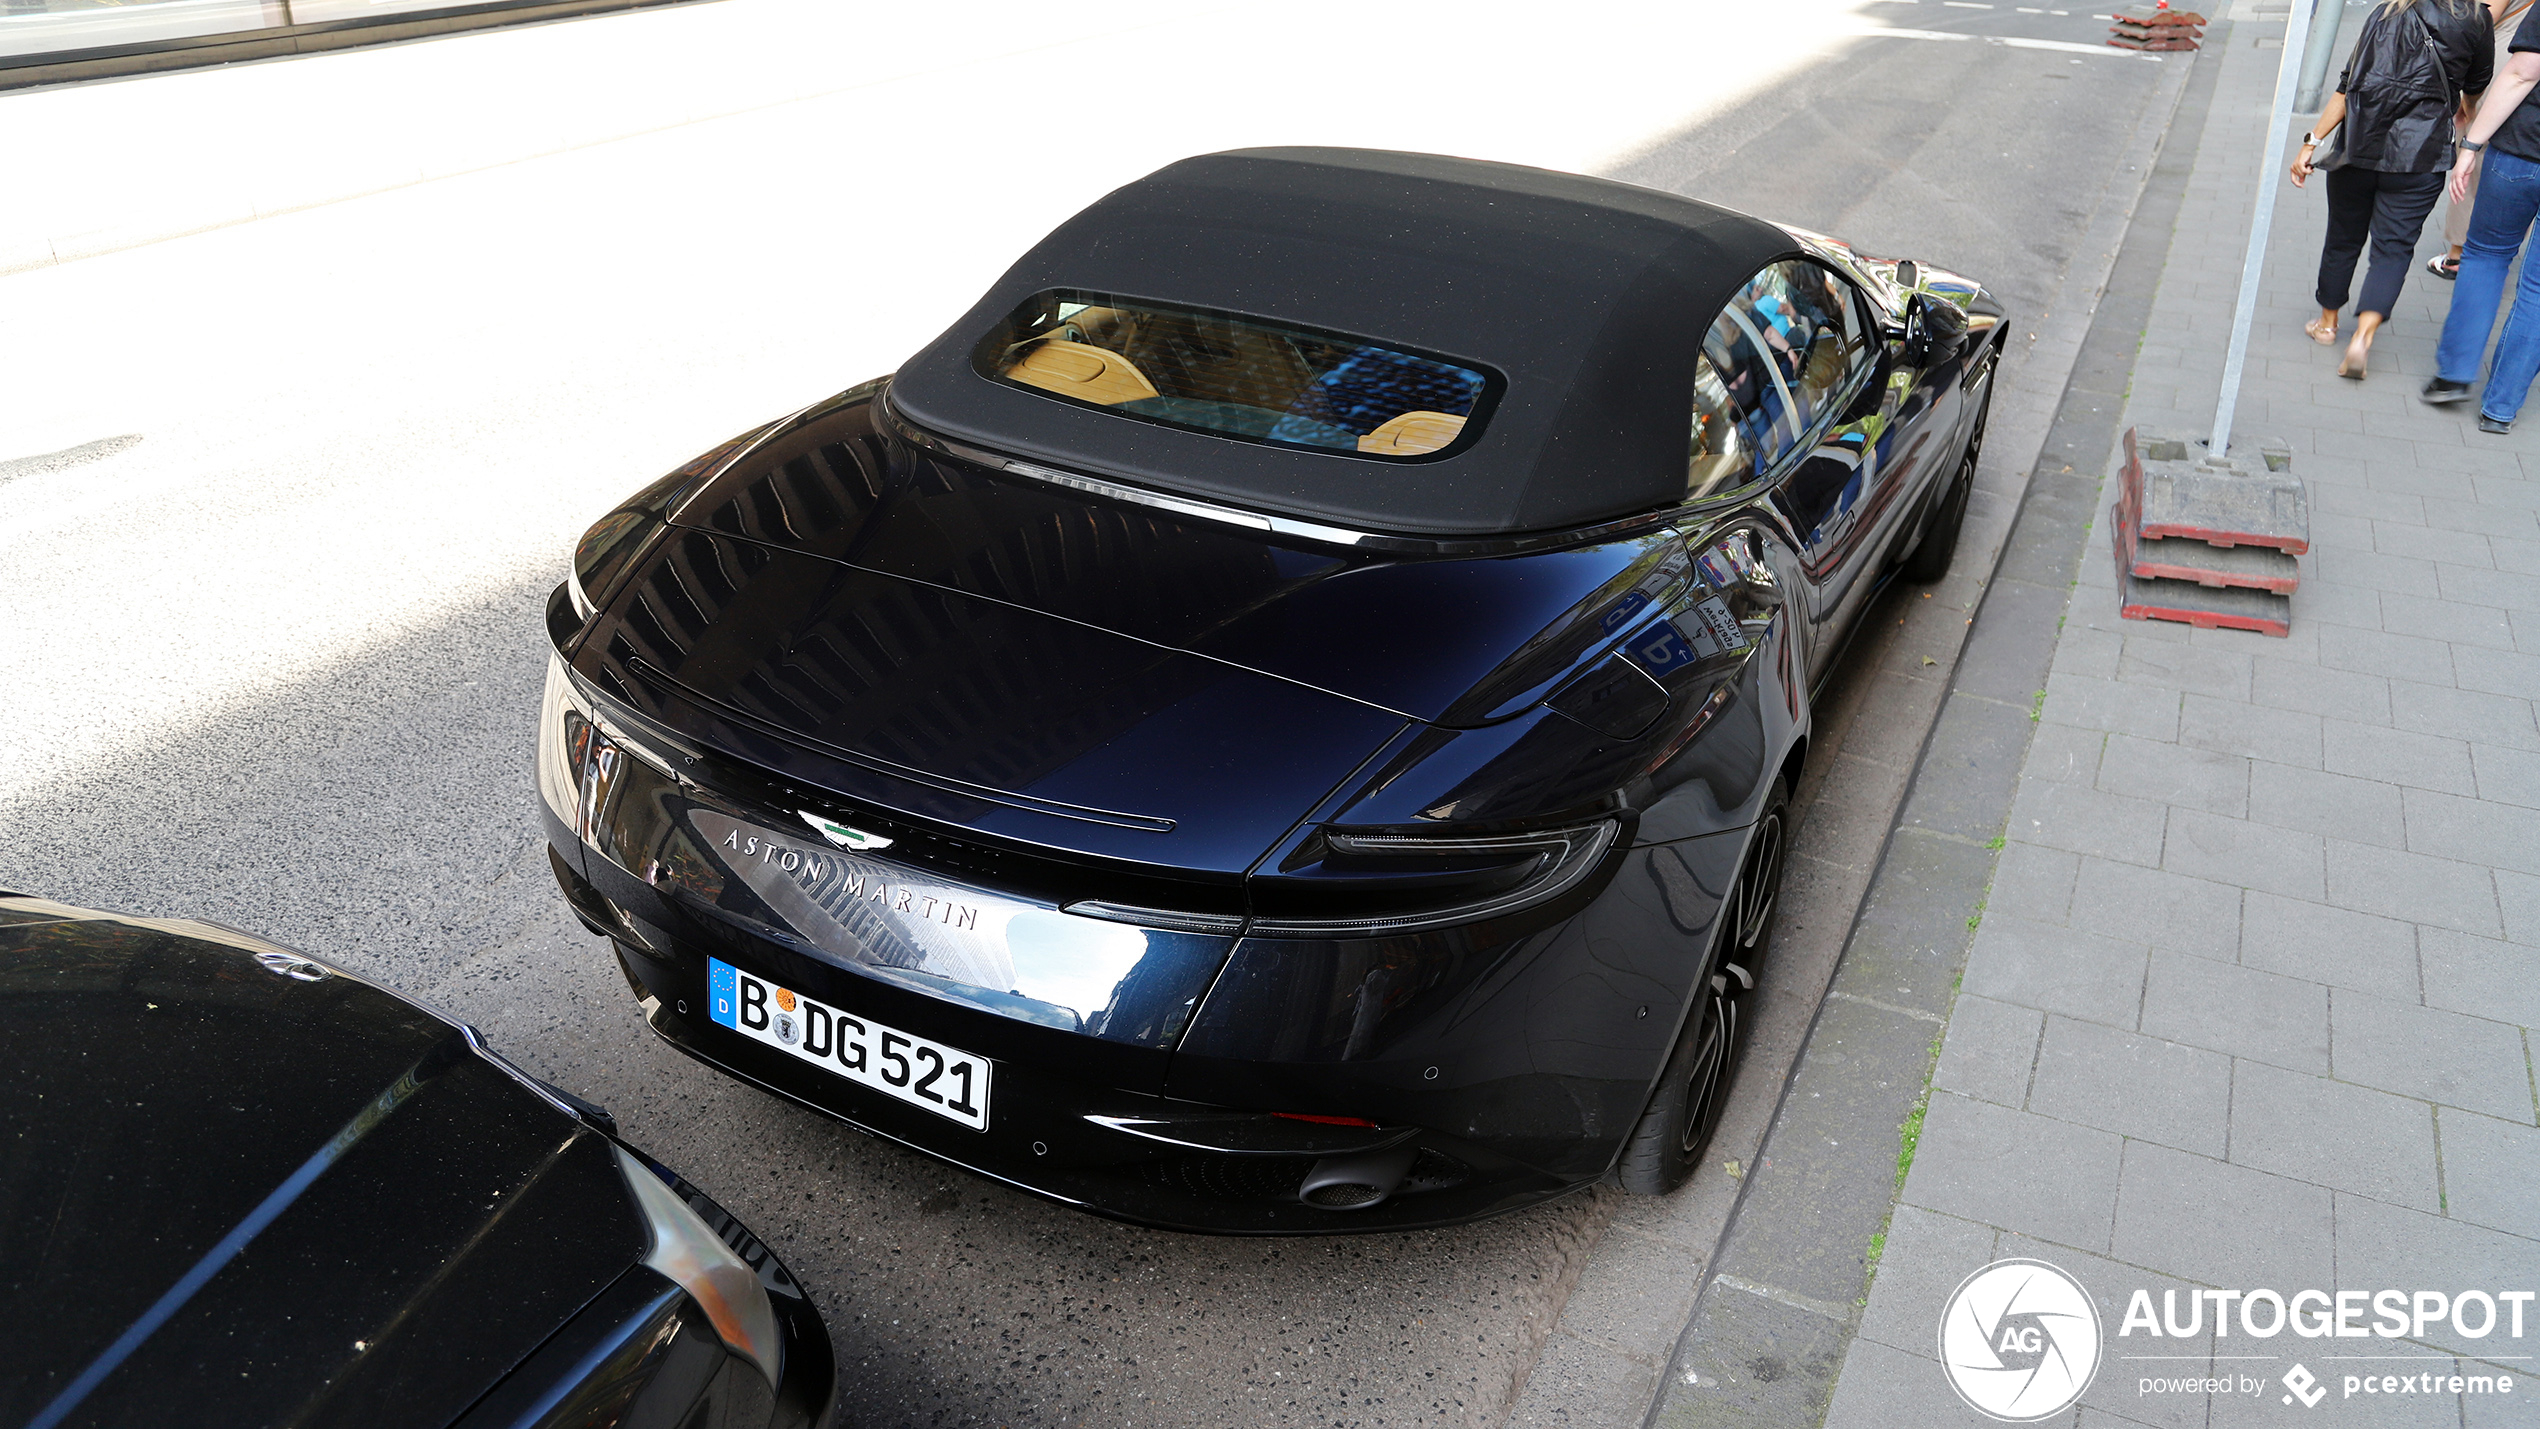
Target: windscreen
(1239, 377)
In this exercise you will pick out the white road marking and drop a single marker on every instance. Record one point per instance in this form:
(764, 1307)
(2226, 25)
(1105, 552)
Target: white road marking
(2017, 42)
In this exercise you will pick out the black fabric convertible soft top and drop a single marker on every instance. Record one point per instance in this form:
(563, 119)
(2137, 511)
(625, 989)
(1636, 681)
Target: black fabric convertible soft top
(1590, 296)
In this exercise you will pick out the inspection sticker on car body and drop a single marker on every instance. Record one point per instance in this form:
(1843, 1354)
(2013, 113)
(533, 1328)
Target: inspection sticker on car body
(944, 1080)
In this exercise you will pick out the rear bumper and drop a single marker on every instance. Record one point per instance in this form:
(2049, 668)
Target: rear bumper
(1055, 1130)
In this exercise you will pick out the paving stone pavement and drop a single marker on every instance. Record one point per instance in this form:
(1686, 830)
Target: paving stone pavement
(2250, 998)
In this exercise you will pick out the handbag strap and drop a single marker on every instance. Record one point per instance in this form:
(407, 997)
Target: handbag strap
(2442, 71)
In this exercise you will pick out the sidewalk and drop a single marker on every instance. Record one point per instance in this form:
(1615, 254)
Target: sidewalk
(2251, 995)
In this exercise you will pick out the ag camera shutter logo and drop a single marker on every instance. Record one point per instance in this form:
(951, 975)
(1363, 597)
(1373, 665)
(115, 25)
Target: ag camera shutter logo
(2019, 1340)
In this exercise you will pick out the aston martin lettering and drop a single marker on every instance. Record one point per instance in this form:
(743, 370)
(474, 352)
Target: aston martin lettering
(871, 913)
(852, 881)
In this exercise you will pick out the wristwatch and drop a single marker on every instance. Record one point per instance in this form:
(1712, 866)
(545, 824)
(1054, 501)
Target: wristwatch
(2473, 145)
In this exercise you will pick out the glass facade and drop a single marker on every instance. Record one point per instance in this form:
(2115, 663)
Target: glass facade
(47, 27)
(33, 31)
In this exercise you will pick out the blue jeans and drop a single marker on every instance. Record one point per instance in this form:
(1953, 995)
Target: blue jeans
(2508, 199)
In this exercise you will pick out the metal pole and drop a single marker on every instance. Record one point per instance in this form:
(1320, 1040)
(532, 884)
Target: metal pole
(2320, 55)
(2279, 117)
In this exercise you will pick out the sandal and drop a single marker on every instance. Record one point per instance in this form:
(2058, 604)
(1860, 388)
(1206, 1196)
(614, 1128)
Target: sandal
(2444, 266)
(2351, 366)
(2322, 330)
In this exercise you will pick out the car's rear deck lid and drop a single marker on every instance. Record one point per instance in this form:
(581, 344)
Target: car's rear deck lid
(971, 712)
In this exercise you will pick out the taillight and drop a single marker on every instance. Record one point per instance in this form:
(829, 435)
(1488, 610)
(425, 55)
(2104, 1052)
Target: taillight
(577, 763)
(1348, 885)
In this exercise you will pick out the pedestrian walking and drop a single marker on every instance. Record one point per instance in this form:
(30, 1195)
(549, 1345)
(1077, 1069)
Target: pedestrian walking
(2397, 101)
(2446, 265)
(2506, 134)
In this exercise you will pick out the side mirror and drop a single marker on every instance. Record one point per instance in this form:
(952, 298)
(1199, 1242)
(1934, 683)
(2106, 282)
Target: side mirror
(1935, 330)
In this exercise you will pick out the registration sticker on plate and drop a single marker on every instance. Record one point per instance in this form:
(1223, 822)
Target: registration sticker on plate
(945, 1081)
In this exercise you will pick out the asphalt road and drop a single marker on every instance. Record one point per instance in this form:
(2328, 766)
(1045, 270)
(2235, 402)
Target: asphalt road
(275, 662)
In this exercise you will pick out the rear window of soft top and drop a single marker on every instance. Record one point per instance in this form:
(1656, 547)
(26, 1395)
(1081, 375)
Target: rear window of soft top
(1247, 378)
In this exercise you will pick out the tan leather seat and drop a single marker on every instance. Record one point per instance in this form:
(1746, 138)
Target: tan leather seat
(1082, 371)
(1413, 434)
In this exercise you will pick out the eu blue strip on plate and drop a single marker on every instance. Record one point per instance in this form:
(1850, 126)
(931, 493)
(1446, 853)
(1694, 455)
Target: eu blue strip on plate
(722, 990)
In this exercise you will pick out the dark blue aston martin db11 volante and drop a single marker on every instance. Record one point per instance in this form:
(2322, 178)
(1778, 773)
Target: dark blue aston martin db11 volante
(1281, 719)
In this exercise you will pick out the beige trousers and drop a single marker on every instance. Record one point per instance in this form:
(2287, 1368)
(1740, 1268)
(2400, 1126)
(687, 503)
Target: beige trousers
(2456, 216)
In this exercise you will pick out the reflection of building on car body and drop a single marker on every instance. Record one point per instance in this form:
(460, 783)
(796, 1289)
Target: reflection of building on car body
(1336, 630)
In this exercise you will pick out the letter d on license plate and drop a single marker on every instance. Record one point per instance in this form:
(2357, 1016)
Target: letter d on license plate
(943, 1080)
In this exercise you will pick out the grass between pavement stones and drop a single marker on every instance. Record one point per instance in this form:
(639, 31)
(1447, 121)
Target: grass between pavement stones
(1909, 1134)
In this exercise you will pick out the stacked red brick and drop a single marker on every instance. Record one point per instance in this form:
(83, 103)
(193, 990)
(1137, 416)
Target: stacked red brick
(2156, 27)
(2211, 546)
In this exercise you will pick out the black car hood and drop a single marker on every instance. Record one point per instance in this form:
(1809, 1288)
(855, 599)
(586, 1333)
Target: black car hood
(390, 1221)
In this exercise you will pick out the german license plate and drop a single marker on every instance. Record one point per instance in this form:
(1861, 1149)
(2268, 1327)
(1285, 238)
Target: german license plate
(941, 1079)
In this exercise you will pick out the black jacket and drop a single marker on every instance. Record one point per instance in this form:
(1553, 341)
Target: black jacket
(2409, 69)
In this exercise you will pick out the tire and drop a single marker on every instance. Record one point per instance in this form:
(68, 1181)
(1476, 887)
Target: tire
(1929, 560)
(1693, 1090)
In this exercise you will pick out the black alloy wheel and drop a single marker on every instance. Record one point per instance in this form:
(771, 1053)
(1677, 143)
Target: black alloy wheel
(1931, 555)
(1694, 1089)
